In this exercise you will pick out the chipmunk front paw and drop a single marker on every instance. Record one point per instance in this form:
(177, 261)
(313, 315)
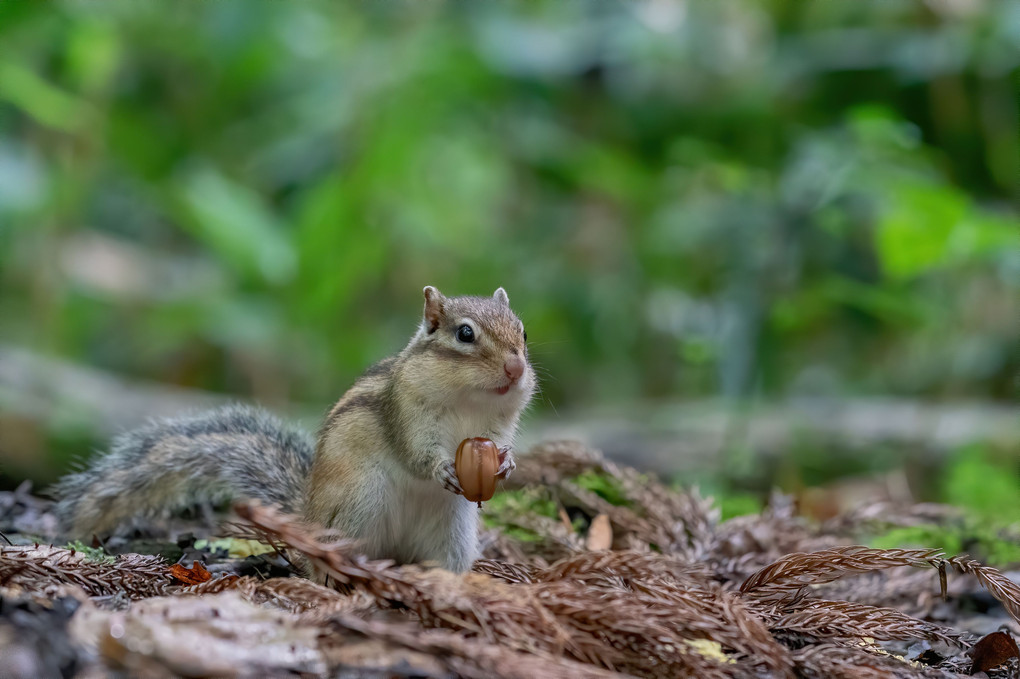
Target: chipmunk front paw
(507, 464)
(446, 474)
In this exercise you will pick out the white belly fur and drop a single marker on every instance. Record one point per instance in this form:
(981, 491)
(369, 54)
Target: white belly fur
(423, 522)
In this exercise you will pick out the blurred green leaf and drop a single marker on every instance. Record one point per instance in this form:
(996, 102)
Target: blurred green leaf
(987, 488)
(914, 233)
(984, 233)
(93, 53)
(232, 220)
(47, 104)
(605, 486)
(738, 504)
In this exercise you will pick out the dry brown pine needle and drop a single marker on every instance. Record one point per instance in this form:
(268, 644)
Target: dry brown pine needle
(471, 658)
(832, 661)
(998, 585)
(624, 565)
(827, 619)
(36, 567)
(783, 579)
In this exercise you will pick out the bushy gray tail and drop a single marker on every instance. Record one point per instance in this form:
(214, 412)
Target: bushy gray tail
(230, 453)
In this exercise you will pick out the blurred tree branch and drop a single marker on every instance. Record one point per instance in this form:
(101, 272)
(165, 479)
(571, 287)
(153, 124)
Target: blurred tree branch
(711, 434)
(45, 388)
(666, 438)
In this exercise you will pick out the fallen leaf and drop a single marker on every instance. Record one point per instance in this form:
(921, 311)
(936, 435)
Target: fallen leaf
(190, 576)
(565, 519)
(600, 533)
(993, 650)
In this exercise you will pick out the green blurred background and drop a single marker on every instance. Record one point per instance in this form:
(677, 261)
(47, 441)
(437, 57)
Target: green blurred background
(737, 202)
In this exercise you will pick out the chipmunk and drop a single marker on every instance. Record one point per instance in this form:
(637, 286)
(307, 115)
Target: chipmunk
(382, 471)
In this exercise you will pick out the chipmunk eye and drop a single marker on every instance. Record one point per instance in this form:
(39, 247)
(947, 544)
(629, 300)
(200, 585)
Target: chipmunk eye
(525, 335)
(466, 334)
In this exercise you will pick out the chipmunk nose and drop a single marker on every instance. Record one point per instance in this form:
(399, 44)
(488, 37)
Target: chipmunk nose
(514, 367)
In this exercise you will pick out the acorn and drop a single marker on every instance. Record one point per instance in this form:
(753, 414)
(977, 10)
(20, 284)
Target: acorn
(477, 463)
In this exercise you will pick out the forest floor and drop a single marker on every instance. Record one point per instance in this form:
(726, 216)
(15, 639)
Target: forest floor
(590, 570)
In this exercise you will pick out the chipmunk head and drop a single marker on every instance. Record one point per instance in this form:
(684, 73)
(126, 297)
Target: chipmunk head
(475, 346)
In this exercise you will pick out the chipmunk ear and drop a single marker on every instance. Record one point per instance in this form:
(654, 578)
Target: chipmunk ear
(501, 297)
(434, 303)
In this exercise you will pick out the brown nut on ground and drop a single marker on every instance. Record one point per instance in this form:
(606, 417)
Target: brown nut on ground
(477, 463)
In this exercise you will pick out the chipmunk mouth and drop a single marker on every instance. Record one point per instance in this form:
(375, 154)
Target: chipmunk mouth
(504, 389)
